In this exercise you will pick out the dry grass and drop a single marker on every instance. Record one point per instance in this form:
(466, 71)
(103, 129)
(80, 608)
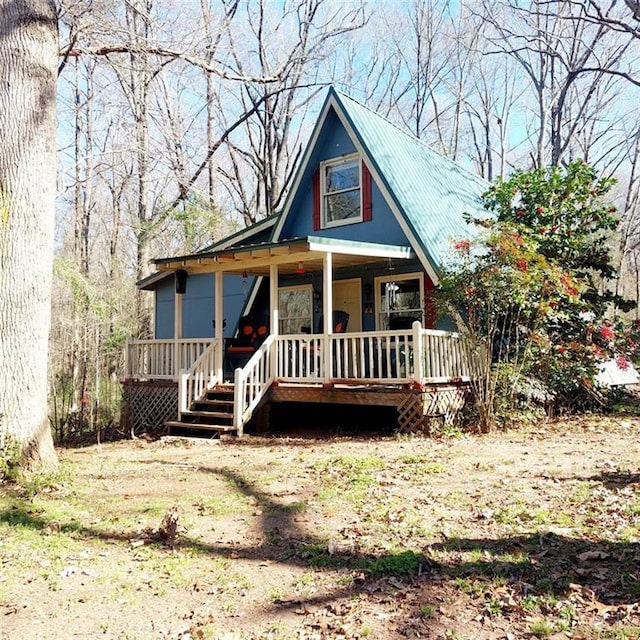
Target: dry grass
(516, 535)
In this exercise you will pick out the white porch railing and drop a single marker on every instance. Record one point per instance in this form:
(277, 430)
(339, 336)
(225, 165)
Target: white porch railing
(252, 381)
(447, 355)
(388, 357)
(162, 359)
(420, 355)
(198, 378)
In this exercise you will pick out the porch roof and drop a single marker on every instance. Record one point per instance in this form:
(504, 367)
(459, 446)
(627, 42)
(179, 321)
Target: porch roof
(256, 259)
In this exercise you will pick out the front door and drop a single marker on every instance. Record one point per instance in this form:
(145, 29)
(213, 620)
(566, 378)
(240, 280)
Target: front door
(347, 296)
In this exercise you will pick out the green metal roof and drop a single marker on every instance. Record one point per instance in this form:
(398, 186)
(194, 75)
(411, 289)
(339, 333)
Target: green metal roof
(430, 191)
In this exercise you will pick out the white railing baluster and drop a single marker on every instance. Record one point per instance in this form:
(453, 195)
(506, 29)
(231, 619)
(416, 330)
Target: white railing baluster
(161, 359)
(252, 381)
(415, 355)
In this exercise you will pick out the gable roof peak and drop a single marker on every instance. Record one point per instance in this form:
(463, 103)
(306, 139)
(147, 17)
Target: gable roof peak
(346, 101)
(427, 192)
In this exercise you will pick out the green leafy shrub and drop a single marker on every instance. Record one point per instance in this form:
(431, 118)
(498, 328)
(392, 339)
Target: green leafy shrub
(530, 291)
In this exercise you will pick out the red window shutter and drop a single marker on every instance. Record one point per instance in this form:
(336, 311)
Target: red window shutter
(316, 199)
(367, 213)
(429, 303)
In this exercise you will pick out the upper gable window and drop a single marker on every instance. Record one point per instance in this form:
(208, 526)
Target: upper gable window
(341, 194)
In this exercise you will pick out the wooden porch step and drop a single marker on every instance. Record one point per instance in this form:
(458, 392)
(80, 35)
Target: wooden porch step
(221, 389)
(195, 413)
(213, 412)
(205, 402)
(177, 424)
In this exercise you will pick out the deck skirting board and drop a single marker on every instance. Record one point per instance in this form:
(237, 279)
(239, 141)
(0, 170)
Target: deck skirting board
(337, 395)
(147, 405)
(416, 407)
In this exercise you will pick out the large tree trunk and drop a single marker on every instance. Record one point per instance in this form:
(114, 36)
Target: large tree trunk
(28, 66)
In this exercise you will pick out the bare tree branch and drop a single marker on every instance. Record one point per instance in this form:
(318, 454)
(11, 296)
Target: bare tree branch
(175, 54)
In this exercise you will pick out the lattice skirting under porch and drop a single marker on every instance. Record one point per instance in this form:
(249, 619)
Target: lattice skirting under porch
(146, 406)
(419, 409)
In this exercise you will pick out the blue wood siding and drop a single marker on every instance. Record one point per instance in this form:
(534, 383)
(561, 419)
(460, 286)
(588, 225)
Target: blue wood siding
(198, 306)
(235, 294)
(334, 142)
(165, 309)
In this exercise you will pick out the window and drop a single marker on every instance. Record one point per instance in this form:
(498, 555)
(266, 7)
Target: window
(340, 185)
(296, 308)
(399, 301)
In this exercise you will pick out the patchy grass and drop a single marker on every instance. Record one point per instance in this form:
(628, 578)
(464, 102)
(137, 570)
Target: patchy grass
(523, 535)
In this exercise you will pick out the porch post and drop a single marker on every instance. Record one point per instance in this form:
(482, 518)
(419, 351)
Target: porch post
(274, 314)
(418, 353)
(177, 335)
(219, 325)
(327, 310)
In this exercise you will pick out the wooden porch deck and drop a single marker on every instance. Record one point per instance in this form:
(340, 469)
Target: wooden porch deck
(423, 373)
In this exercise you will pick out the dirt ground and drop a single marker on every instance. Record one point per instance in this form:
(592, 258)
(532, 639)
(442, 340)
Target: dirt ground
(513, 535)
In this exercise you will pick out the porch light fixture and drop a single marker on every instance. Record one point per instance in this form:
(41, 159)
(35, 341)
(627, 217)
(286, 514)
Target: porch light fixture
(244, 282)
(300, 268)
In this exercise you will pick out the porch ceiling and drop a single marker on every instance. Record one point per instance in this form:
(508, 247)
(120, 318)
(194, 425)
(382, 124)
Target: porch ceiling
(310, 251)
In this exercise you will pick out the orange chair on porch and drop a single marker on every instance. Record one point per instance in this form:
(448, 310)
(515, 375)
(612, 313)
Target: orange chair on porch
(340, 322)
(251, 334)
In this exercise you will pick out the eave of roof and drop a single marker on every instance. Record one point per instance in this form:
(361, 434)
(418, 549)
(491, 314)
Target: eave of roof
(150, 282)
(257, 259)
(243, 235)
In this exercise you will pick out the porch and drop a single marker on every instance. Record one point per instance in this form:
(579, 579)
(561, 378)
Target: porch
(399, 355)
(420, 371)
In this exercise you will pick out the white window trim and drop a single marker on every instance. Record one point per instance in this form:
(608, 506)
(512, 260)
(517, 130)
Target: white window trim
(298, 287)
(326, 224)
(396, 278)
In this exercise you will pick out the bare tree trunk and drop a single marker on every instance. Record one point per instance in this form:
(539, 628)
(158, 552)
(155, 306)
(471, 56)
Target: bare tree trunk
(212, 39)
(28, 69)
(628, 229)
(83, 206)
(139, 25)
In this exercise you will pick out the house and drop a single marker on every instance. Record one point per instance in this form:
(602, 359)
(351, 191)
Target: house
(368, 224)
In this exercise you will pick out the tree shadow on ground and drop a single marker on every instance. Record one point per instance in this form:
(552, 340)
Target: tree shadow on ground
(616, 479)
(547, 563)
(531, 564)
(612, 480)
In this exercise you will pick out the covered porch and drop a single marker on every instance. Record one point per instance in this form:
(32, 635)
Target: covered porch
(412, 358)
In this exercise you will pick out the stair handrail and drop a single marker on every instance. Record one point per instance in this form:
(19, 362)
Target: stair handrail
(201, 376)
(252, 381)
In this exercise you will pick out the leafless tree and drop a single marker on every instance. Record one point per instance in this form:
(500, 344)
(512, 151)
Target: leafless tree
(563, 59)
(264, 151)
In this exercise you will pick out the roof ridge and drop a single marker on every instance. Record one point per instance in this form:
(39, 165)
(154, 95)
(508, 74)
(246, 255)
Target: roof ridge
(410, 135)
